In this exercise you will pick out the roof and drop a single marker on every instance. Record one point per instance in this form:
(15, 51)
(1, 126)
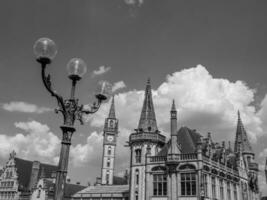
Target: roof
(242, 143)
(148, 120)
(186, 138)
(24, 170)
(69, 189)
(104, 190)
(119, 180)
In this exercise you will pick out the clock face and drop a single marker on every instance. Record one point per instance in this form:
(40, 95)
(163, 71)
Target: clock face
(110, 138)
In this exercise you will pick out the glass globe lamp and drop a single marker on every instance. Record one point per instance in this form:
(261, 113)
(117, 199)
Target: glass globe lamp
(45, 50)
(76, 68)
(104, 90)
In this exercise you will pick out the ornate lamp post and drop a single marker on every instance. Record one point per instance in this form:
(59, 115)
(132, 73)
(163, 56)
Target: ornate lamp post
(45, 50)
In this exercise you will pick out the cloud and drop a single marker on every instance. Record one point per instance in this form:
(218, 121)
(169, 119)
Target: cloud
(39, 143)
(101, 70)
(118, 85)
(134, 2)
(204, 103)
(20, 106)
(263, 154)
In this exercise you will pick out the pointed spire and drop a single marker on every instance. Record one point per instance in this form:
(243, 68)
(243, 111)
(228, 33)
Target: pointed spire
(241, 141)
(147, 120)
(112, 110)
(173, 106)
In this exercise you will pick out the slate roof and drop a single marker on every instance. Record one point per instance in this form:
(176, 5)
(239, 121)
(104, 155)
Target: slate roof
(119, 180)
(104, 190)
(69, 189)
(241, 142)
(24, 170)
(148, 121)
(186, 138)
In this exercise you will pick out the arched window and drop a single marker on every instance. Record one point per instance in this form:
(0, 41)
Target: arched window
(107, 177)
(108, 163)
(109, 150)
(213, 187)
(136, 177)
(228, 191)
(136, 195)
(138, 155)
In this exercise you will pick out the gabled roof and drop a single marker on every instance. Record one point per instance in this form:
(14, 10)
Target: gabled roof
(241, 142)
(24, 170)
(69, 189)
(148, 120)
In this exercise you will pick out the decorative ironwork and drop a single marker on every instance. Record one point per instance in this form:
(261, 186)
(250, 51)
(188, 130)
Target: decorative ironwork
(69, 108)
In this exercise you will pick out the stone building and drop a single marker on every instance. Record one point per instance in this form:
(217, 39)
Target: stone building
(187, 166)
(19, 177)
(45, 189)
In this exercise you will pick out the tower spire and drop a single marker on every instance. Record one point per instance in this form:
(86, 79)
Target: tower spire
(241, 141)
(112, 114)
(148, 120)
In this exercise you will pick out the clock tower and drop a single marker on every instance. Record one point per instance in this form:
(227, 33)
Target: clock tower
(109, 146)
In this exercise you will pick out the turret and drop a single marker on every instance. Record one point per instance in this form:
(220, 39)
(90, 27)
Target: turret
(144, 142)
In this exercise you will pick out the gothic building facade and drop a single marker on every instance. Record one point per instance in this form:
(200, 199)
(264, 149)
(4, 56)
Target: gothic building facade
(187, 166)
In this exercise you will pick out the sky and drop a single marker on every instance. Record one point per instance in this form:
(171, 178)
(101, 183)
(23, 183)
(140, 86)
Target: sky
(210, 56)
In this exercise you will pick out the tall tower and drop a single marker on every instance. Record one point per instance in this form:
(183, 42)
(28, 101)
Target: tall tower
(246, 158)
(145, 141)
(109, 146)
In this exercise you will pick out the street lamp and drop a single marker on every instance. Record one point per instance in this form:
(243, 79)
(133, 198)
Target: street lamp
(45, 51)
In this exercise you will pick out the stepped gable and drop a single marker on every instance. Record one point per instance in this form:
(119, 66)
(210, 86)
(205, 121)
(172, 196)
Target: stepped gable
(148, 122)
(241, 142)
(24, 170)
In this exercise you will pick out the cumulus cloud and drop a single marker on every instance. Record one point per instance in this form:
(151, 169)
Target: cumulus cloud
(20, 106)
(204, 103)
(39, 143)
(101, 70)
(134, 2)
(118, 85)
